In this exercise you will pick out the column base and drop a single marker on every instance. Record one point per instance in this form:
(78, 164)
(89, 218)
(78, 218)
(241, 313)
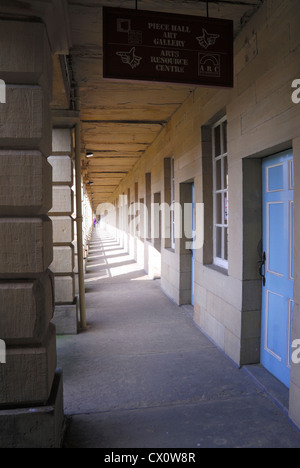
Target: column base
(38, 427)
(66, 319)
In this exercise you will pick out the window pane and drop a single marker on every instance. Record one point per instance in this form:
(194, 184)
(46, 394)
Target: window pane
(219, 174)
(226, 208)
(217, 140)
(225, 173)
(224, 134)
(226, 244)
(219, 242)
(172, 226)
(219, 210)
(291, 170)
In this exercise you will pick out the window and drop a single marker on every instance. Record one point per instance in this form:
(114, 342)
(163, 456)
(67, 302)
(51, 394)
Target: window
(220, 193)
(157, 222)
(136, 201)
(169, 203)
(148, 205)
(127, 209)
(141, 227)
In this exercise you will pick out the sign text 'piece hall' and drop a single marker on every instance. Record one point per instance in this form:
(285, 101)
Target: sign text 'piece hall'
(163, 47)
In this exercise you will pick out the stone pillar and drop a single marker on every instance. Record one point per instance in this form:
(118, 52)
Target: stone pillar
(31, 400)
(65, 316)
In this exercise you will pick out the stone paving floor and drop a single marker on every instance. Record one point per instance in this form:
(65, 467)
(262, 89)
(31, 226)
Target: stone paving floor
(144, 376)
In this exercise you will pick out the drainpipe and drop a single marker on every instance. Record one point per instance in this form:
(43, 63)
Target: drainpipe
(79, 220)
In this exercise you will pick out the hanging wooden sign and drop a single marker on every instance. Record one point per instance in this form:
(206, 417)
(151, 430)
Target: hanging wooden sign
(151, 46)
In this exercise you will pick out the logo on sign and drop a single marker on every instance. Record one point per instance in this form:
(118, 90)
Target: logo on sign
(207, 40)
(124, 26)
(209, 65)
(130, 58)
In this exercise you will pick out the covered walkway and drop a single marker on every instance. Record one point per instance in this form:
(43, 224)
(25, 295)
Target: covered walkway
(144, 376)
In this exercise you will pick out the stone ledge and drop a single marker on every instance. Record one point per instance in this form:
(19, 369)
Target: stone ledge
(38, 427)
(27, 377)
(66, 319)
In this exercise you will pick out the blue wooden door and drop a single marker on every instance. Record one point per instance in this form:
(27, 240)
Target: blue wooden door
(278, 247)
(193, 249)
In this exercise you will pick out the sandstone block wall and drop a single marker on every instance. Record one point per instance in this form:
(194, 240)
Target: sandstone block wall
(26, 284)
(61, 213)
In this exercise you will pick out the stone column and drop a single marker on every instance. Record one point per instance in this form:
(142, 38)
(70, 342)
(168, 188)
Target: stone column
(65, 316)
(31, 402)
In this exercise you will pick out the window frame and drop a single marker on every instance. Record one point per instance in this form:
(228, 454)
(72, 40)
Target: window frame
(148, 200)
(221, 224)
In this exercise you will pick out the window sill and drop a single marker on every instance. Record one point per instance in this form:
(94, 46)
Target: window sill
(217, 268)
(170, 249)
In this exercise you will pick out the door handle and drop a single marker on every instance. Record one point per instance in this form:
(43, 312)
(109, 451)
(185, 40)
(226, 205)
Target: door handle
(262, 268)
